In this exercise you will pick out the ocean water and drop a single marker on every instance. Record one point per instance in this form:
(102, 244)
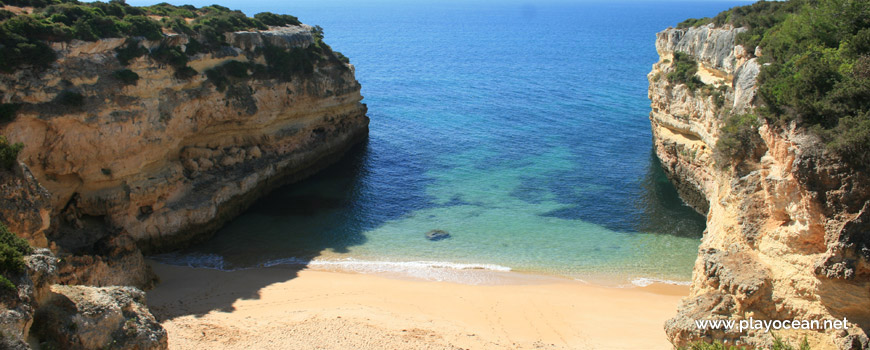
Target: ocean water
(521, 128)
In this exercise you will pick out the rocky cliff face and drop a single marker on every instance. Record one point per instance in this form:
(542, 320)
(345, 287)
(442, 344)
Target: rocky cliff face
(788, 233)
(74, 317)
(165, 161)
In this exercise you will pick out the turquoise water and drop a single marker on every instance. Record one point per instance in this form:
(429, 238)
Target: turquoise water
(519, 128)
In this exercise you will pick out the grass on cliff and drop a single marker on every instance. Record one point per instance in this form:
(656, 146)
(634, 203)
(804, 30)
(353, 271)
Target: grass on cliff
(816, 71)
(25, 38)
(12, 251)
(778, 344)
(8, 153)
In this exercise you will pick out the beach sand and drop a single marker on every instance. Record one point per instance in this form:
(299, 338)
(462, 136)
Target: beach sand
(291, 308)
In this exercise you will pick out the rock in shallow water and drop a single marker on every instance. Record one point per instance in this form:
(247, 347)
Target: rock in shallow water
(437, 235)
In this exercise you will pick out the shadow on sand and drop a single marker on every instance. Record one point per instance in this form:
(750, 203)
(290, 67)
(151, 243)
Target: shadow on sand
(185, 290)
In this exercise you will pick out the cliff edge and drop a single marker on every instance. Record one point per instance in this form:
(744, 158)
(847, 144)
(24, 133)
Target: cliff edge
(787, 225)
(153, 142)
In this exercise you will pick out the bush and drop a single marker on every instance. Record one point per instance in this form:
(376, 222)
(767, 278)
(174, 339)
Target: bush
(171, 55)
(8, 153)
(126, 76)
(695, 22)
(285, 63)
(143, 26)
(185, 73)
(7, 111)
(12, 251)
(778, 344)
(131, 50)
(738, 138)
(817, 67)
(218, 20)
(684, 71)
(23, 37)
(70, 98)
(227, 73)
(271, 19)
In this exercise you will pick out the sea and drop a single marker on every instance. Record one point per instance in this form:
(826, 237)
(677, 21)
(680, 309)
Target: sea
(518, 127)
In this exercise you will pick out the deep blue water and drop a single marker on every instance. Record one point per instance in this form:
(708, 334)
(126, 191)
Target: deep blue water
(520, 128)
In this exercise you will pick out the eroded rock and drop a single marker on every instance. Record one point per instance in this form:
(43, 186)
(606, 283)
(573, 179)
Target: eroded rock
(81, 317)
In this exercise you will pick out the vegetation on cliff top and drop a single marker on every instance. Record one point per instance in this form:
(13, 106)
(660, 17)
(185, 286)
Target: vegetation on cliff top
(24, 37)
(816, 56)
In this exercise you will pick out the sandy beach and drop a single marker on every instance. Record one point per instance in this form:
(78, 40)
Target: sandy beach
(288, 308)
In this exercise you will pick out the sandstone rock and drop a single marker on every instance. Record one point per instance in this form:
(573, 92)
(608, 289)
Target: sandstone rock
(786, 232)
(164, 138)
(112, 261)
(284, 37)
(25, 206)
(16, 312)
(80, 317)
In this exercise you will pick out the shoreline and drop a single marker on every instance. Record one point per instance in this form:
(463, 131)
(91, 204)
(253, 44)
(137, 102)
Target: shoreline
(295, 307)
(427, 270)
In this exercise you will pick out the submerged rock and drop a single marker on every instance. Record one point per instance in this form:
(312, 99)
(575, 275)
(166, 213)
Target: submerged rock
(437, 235)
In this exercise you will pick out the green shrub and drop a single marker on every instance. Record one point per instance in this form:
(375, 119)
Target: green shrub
(817, 67)
(341, 57)
(695, 22)
(738, 138)
(185, 73)
(285, 63)
(684, 71)
(12, 251)
(218, 20)
(7, 111)
(778, 344)
(193, 47)
(143, 26)
(24, 38)
(171, 55)
(716, 345)
(70, 98)
(21, 43)
(8, 153)
(165, 9)
(126, 76)
(131, 50)
(271, 19)
(4, 15)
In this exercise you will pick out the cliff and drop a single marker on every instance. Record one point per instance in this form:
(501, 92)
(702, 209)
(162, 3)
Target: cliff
(787, 228)
(164, 161)
(146, 129)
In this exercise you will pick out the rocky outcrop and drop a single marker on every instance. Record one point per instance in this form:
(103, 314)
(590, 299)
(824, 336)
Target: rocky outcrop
(165, 161)
(33, 289)
(25, 206)
(74, 317)
(81, 317)
(787, 232)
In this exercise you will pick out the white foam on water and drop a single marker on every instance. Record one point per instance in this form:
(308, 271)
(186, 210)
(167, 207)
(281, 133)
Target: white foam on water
(466, 273)
(644, 281)
(207, 261)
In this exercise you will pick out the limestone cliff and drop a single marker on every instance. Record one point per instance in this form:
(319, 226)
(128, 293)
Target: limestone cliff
(165, 160)
(787, 232)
